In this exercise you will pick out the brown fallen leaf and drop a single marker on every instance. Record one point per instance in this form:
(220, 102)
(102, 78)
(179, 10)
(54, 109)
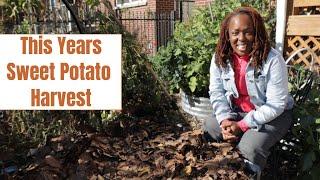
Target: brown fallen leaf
(116, 146)
(143, 170)
(145, 134)
(224, 147)
(100, 177)
(32, 167)
(100, 164)
(159, 161)
(93, 177)
(143, 157)
(226, 150)
(124, 166)
(233, 175)
(188, 170)
(222, 171)
(182, 146)
(194, 141)
(58, 139)
(171, 165)
(51, 161)
(207, 177)
(184, 136)
(219, 145)
(179, 156)
(235, 155)
(197, 132)
(84, 158)
(213, 173)
(190, 158)
(218, 161)
(99, 144)
(172, 143)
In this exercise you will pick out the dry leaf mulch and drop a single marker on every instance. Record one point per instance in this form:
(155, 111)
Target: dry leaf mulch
(142, 149)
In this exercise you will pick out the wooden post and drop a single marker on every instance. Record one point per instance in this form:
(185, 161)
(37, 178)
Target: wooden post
(281, 24)
(2, 2)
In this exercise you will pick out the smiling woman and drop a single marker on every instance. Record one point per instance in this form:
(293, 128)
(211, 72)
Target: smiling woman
(248, 88)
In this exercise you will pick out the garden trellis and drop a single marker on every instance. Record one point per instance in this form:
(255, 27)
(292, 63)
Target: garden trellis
(303, 31)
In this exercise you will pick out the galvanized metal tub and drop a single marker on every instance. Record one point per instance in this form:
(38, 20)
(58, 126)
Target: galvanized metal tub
(199, 107)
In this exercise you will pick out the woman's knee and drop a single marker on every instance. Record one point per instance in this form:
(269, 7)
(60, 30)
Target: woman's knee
(280, 126)
(211, 126)
(255, 146)
(255, 154)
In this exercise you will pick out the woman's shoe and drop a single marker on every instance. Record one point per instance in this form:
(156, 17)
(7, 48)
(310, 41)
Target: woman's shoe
(253, 169)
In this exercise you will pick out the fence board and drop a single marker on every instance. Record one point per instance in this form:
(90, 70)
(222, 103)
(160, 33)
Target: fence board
(304, 25)
(306, 3)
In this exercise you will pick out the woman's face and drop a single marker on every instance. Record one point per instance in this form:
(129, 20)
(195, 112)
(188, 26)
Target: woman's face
(241, 34)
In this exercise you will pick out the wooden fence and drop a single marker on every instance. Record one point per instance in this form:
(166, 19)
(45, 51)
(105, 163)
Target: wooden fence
(303, 31)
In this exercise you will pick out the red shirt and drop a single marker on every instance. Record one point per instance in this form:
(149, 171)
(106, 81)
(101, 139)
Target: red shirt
(243, 101)
(240, 65)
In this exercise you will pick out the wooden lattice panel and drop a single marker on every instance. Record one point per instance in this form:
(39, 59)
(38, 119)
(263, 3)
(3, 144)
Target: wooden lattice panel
(303, 31)
(295, 43)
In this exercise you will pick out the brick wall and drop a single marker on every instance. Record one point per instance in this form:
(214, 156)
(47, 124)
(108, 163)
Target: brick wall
(165, 5)
(145, 30)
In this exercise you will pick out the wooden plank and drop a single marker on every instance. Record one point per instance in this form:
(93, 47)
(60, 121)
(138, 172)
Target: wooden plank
(2, 2)
(304, 25)
(306, 3)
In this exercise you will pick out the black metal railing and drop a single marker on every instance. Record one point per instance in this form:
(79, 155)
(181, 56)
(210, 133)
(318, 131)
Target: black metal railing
(152, 29)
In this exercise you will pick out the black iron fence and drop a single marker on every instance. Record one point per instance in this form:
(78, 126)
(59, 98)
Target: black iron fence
(152, 29)
(155, 29)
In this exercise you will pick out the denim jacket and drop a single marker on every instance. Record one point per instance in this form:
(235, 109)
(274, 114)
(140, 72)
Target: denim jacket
(267, 89)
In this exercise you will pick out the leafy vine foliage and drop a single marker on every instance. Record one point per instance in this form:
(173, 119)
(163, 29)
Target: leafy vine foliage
(303, 141)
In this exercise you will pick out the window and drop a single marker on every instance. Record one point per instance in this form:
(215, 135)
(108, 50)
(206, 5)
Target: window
(130, 3)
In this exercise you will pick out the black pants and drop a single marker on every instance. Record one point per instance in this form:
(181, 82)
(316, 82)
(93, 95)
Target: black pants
(255, 145)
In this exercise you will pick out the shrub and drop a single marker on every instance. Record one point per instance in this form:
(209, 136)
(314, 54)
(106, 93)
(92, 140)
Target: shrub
(185, 62)
(306, 129)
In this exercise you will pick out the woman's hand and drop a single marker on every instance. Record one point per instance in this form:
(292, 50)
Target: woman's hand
(230, 130)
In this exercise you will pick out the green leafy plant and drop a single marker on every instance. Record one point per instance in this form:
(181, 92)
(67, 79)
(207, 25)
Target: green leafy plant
(24, 28)
(307, 131)
(303, 140)
(22, 8)
(185, 62)
(19, 15)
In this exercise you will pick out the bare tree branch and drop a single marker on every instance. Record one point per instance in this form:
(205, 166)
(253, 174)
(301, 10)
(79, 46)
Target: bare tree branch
(73, 14)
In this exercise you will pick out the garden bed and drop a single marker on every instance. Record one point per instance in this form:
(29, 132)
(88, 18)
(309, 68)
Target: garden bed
(142, 148)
